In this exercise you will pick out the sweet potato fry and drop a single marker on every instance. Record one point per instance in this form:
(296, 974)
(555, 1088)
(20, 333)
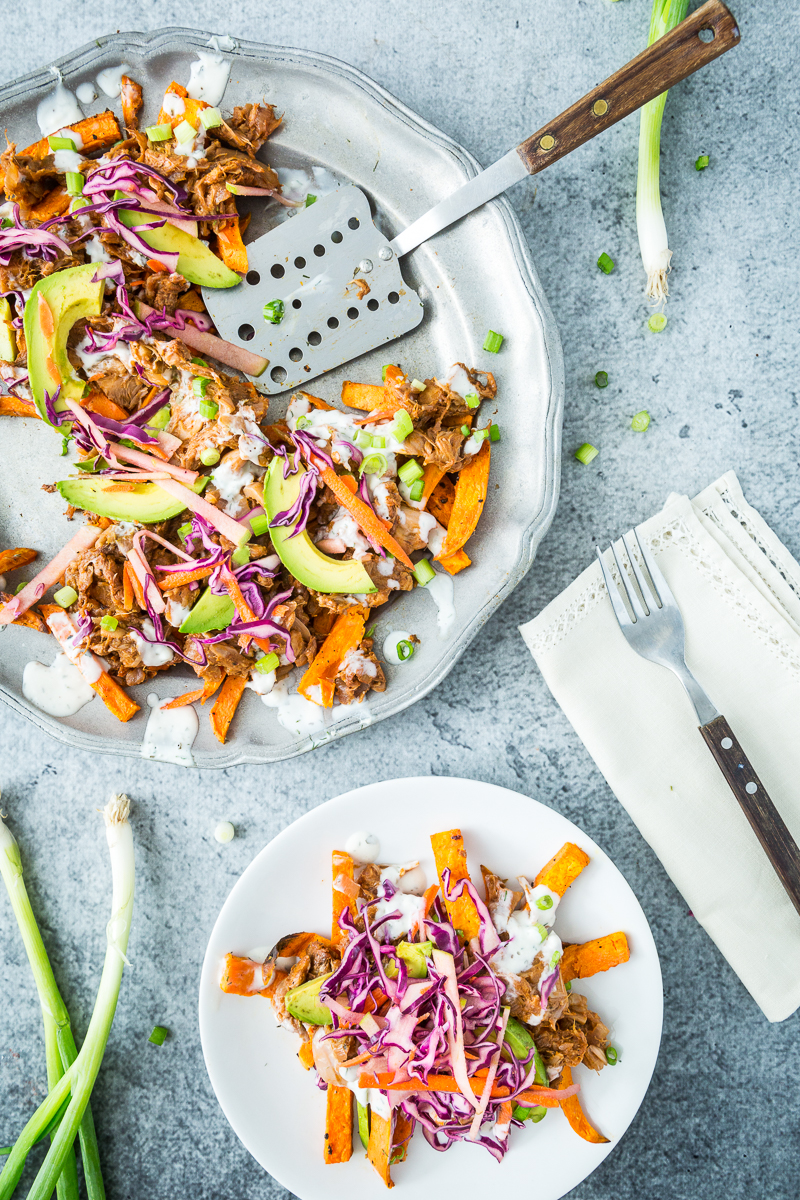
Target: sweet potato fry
(29, 619)
(470, 496)
(403, 1129)
(12, 406)
(131, 96)
(368, 397)
(572, 1110)
(35, 588)
(306, 1055)
(364, 516)
(347, 632)
(115, 698)
(440, 497)
(379, 1150)
(230, 246)
(12, 560)
(449, 852)
(210, 685)
(186, 698)
(453, 563)
(97, 401)
(563, 868)
(338, 1125)
(97, 133)
(316, 402)
(193, 301)
(225, 705)
(590, 958)
(341, 864)
(53, 205)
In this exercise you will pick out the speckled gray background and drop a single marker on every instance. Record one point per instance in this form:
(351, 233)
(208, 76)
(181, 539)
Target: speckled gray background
(721, 1117)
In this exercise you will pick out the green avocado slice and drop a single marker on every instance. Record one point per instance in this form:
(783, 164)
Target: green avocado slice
(147, 503)
(8, 343)
(415, 955)
(69, 295)
(210, 612)
(196, 262)
(299, 554)
(363, 1123)
(303, 1002)
(520, 1042)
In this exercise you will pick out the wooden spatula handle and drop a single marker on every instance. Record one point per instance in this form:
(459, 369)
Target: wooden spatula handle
(779, 846)
(674, 56)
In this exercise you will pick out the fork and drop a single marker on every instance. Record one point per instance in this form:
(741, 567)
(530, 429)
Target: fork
(656, 632)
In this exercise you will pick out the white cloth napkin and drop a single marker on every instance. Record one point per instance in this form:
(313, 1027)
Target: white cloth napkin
(738, 589)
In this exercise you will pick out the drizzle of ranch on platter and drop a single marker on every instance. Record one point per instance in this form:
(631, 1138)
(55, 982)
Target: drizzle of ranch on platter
(58, 109)
(391, 645)
(440, 589)
(151, 655)
(208, 77)
(170, 732)
(530, 932)
(59, 689)
(110, 80)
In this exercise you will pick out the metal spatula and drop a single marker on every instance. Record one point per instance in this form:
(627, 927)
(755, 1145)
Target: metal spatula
(337, 277)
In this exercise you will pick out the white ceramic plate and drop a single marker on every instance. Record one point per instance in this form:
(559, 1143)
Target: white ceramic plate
(271, 1102)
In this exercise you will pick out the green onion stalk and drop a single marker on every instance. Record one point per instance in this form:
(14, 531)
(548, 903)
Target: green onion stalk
(75, 1085)
(653, 241)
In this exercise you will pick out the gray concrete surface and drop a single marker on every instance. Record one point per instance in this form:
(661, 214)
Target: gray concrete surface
(721, 1117)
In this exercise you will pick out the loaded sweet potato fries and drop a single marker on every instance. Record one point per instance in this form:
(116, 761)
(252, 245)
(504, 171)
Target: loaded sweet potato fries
(442, 1011)
(241, 546)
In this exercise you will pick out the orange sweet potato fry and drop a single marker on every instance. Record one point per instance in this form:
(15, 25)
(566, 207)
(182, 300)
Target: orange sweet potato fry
(347, 632)
(317, 402)
(12, 406)
(572, 1110)
(341, 864)
(186, 698)
(12, 560)
(53, 205)
(449, 852)
(230, 246)
(364, 516)
(369, 397)
(338, 1125)
(127, 587)
(97, 133)
(225, 705)
(470, 496)
(131, 96)
(590, 958)
(379, 1149)
(563, 868)
(453, 563)
(440, 497)
(306, 1055)
(115, 698)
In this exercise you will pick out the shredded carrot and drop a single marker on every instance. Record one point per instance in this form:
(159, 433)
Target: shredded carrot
(115, 698)
(243, 608)
(338, 1124)
(127, 587)
(349, 482)
(563, 868)
(429, 897)
(97, 402)
(12, 560)
(371, 524)
(449, 852)
(226, 704)
(347, 632)
(155, 265)
(186, 698)
(470, 495)
(176, 578)
(574, 1113)
(590, 958)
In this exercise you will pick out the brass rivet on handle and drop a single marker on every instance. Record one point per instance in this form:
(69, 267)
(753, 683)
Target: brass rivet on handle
(600, 108)
(547, 142)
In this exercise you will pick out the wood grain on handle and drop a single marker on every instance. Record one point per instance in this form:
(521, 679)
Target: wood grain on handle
(767, 824)
(665, 63)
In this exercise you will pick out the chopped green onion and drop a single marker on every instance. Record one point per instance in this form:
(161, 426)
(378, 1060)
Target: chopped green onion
(61, 143)
(184, 530)
(303, 422)
(310, 199)
(270, 662)
(641, 421)
(65, 596)
(417, 385)
(601, 379)
(240, 556)
(653, 240)
(542, 930)
(493, 341)
(374, 464)
(259, 524)
(64, 445)
(199, 386)
(701, 163)
(611, 1056)
(159, 133)
(657, 322)
(544, 902)
(108, 623)
(273, 312)
(379, 443)
(209, 457)
(19, 588)
(555, 957)
(199, 362)
(405, 650)
(185, 132)
(423, 572)
(410, 471)
(416, 491)
(210, 118)
(383, 369)
(403, 426)
(90, 465)
(371, 631)
(494, 433)
(158, 1036)
(467, 432)
(586, 453)
(363, 439)
(75, 182)
(568, 985)
(472, 399)
(605, 263)
(209, 409)
(161, 419)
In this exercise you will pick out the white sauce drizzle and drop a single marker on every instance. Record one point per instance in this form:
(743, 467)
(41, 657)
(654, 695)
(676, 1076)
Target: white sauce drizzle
(390, 646)
(406, 903)
(59, 689)
(222, 41)
(151, 656)
(295, 713)
(440, 589)
(95, 250)
(177, 613)
(69, 160)
(229, 482)
(364, 847)
(173, 104)
(170, 733)
(110, 80)
(208, 77)
(86, 92)
(58, 109)
(371, 1096)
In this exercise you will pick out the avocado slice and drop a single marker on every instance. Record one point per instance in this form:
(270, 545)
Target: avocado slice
(8, 343)
(299, 554)
(363, 1123)
(303, 1002)
(529, 1114)
(196, 262)
(69, 295)
(147, 503)
(210, 612)
(520, 1042)
(415, 955)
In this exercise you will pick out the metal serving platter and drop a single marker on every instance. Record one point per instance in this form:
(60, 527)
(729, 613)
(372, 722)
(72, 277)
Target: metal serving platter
(475, 276)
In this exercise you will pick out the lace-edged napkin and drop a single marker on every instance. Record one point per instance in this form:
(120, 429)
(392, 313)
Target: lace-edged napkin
(738, 589)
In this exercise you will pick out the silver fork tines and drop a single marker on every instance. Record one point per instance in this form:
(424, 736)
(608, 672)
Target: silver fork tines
(656, 630)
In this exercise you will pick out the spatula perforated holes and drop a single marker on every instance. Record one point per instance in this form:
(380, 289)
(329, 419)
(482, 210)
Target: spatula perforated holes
(253, 278)
(393, 297)
(246, 333)
(319, 250)
(299, 263)
(373, 305)
(315, 338)
(295, 354)
(353, 223)
(277, 271)
(352, 314)
(297, 304)
(336, 236)
(333, 323)
(277, 374)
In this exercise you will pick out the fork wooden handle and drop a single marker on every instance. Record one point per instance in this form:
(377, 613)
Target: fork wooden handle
(669, 60)
(766, 822)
